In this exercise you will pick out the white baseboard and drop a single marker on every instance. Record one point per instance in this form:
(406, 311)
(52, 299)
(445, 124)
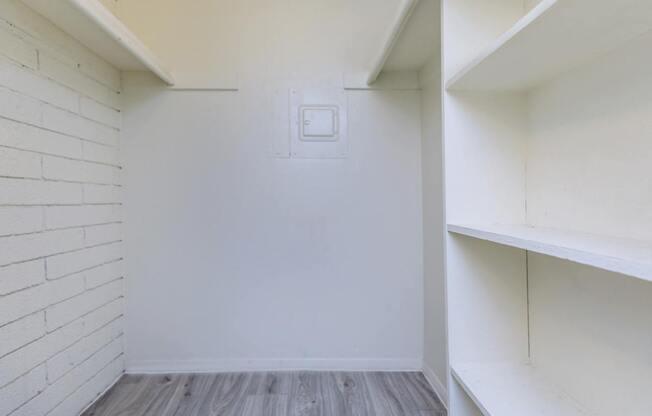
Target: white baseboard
(436, 384)
(237, 365)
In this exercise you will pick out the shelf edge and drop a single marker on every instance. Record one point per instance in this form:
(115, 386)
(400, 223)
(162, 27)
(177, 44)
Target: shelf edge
(534, 14)
(606, 262)
(113, 27)
(399, 24)
(469, 392)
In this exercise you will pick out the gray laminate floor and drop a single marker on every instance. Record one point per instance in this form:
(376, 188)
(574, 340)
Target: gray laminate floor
(271, 394)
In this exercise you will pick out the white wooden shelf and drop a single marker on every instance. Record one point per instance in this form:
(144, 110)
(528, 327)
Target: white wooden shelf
(97, 28)
(513, 390)
(554, 37)
(629, 257)
(412, 39)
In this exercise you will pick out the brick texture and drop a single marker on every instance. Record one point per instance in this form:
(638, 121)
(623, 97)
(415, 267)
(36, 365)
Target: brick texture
(61, 275)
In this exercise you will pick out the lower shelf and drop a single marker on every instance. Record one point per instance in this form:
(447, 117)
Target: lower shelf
(513, 390)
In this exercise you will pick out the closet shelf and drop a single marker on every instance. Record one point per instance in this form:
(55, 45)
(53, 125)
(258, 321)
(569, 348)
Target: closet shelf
(629, 257)
(500, 389)
(97, 28)
(407, 46)
(554, 37)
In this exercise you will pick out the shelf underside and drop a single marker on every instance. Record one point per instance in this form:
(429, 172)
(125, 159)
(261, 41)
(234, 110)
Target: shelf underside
(554, 37)
(629, 257)
(513, 390)
(98, 29)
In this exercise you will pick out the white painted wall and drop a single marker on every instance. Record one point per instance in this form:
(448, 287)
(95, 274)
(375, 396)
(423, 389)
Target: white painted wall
(61, 282)
(594, 125)
(591, 333)
(242, 260)
(591, 329)
(435, 354)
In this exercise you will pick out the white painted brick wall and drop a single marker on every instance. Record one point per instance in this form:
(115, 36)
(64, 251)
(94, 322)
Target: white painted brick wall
(21, 332)
(22, 303)
(21, 136)
(65, 388)
(31, 246)
(69, 76)
(61, 277)
(19, 164)
(69, 123)
(101, 153)
(103, 315)
(65, 264)
(17, 363)
(20, 220)
(15, 48)
(79, 352)
(57, 168)
(22, 390)
(19, 107)
(101, 234)
(67, 311)
(34, 85)
(31, 192)
(20, 276)
(87, 392)
(102, 194)
(70, 216)
(99, 112)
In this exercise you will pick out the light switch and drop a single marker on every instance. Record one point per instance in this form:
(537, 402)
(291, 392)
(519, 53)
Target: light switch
(319, 123)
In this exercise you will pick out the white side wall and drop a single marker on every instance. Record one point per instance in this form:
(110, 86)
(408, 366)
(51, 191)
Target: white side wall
(60, 270)
(241, 260)
(435, 334)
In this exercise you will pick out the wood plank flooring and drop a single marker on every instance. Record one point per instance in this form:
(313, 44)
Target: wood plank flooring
(271, 394)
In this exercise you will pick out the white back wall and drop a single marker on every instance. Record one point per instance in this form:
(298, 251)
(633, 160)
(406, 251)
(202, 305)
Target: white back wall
(246, 261)
(601, 150)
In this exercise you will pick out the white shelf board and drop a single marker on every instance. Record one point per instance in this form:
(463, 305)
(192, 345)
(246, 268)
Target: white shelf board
(400, 21)
(97, 28)
(505, 389)
(629, 257)
(413, 38)
(556, 36)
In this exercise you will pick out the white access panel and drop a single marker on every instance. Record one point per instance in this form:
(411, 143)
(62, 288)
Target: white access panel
(318, 124)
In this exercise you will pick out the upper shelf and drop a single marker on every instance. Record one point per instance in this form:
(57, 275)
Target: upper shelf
(97, 28)
(412, 39)
(556, 36)
(629, 257)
